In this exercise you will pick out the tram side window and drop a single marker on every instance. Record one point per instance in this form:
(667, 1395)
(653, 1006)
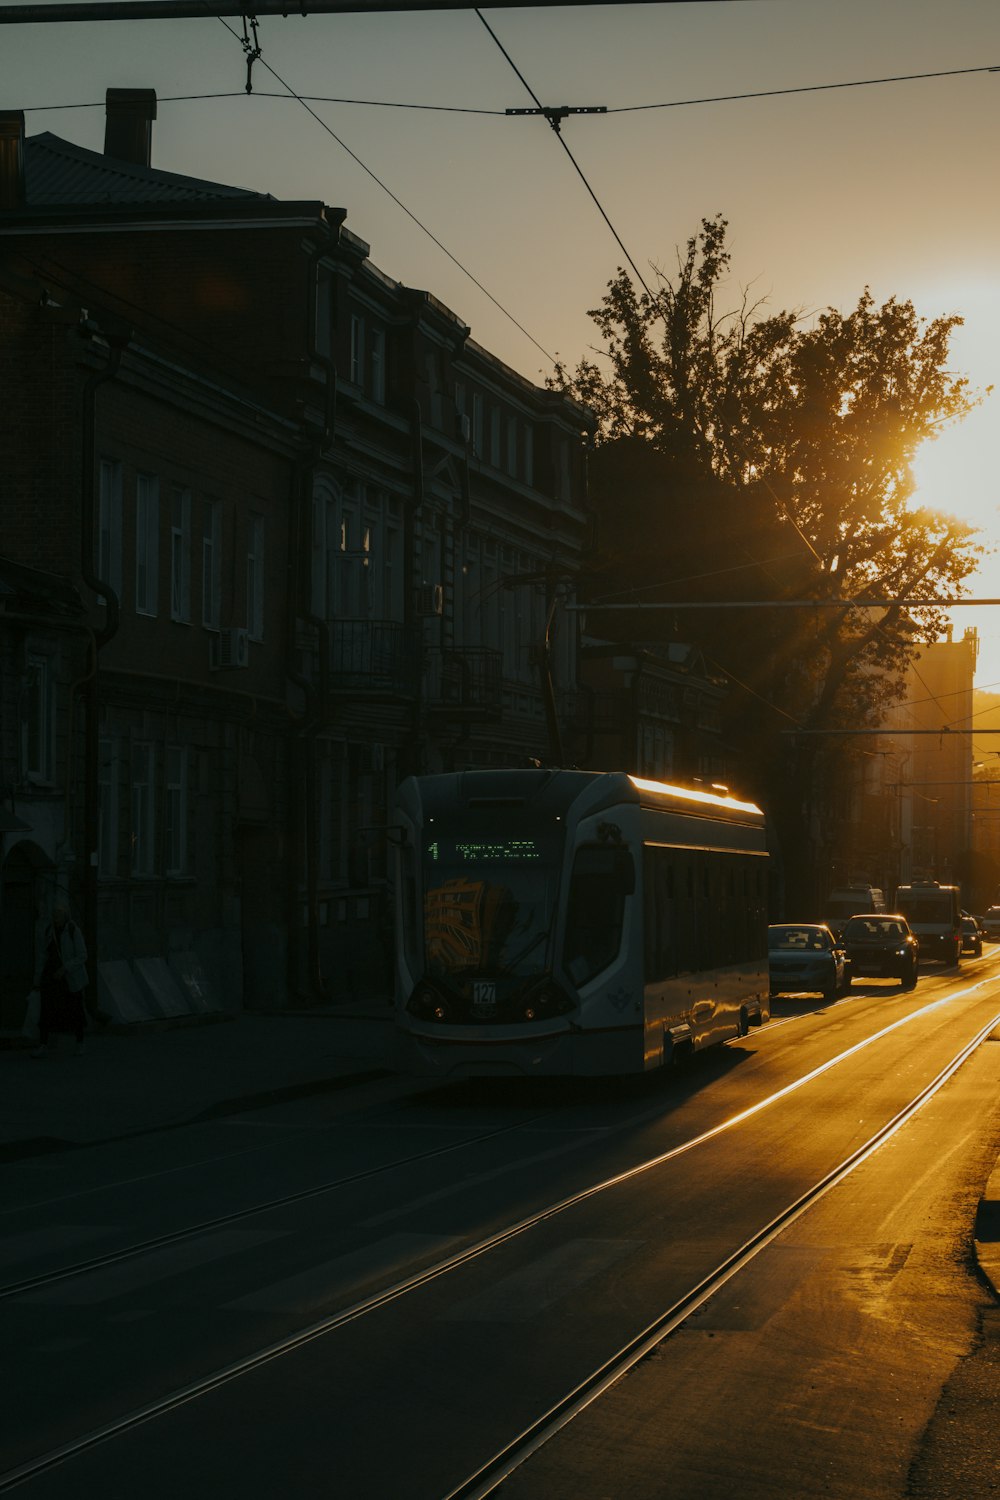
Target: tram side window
(660, 914)
(702, 911)
(602, 877)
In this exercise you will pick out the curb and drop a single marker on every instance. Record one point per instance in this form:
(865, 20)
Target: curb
(987, 1232)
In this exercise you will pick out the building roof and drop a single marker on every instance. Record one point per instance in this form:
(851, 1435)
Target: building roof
(57, 173)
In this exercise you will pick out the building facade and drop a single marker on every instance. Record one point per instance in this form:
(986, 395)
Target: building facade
(277, 533)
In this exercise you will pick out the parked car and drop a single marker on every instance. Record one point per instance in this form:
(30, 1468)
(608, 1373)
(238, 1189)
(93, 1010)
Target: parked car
(804, 958)
(972, 936)
(991, 924)
(881, 947)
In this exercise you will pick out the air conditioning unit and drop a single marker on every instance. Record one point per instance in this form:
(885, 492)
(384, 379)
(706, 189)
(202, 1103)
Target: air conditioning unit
(429, 599)
(230, 648)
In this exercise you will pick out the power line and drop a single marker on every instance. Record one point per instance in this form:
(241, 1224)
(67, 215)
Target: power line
(810, 88)
(466, 109)
(398, 202)
(157, 10)
(555, 126)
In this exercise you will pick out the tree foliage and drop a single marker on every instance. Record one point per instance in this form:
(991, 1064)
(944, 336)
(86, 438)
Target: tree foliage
(746, 454)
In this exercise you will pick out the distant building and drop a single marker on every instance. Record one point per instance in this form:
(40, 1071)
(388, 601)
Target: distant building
(927, 778)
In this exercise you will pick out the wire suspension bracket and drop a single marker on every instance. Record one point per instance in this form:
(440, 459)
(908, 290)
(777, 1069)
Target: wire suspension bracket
(555, 114)
(252, 49)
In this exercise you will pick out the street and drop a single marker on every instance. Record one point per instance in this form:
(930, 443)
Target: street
(656, 1287)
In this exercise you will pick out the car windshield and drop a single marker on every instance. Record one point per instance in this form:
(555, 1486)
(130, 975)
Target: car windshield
(798, 940)
(865, 929)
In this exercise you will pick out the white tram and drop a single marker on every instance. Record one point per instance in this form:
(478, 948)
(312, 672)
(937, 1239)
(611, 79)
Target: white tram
(554, 922)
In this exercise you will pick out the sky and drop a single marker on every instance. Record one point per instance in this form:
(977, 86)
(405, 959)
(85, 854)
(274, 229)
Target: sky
(827, 190)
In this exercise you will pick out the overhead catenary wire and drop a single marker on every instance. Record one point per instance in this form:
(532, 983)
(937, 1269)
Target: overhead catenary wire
(610, 109)
(398, 201)
(579, 171)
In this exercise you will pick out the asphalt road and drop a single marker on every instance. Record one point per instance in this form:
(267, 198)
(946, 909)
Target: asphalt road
(344, 1341)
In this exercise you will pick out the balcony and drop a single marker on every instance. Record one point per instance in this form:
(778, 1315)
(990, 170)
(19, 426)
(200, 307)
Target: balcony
(375, 658)
(597, 712)
(464, 684)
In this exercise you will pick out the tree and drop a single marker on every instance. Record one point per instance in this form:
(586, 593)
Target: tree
(744, 455)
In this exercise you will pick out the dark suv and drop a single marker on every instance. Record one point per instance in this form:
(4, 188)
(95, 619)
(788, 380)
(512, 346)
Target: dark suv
(881, 947)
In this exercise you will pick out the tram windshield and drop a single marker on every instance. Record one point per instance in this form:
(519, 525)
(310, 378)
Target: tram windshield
(489, 902)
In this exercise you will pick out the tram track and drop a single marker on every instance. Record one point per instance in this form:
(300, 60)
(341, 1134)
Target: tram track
(491, 1473)
(487, 1479)
(174, 1237)
(235, 1216)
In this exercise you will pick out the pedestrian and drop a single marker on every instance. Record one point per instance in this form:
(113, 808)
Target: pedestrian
(62, 979)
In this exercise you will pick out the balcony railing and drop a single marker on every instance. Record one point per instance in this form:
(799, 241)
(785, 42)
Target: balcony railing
(375, 657)
(465, 684)
(597, 713)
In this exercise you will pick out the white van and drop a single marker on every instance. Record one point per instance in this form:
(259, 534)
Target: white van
(934, 913)
(851, 901)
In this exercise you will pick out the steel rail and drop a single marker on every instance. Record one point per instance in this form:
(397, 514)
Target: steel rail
(204, 1385)
(191, 1231)
(177, 1236)
(492, 1474)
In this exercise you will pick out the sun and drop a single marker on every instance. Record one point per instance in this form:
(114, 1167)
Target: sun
(957, 472)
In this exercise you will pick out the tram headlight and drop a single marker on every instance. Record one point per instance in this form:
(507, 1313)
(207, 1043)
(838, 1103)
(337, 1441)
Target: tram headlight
(545, 1000)
(427, 1004)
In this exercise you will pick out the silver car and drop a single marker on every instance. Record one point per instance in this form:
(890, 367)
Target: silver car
(991, 924)
(804, 958)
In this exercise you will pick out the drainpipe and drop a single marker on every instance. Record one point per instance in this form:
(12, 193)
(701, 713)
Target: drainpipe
(90, 694)
(548, 685)
(303, 801)
(417, 753)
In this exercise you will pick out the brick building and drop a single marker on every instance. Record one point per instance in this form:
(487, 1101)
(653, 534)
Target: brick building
(276, 531)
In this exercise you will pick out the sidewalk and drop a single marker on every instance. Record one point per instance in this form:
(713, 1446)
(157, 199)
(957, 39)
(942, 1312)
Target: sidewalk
(130, 1082)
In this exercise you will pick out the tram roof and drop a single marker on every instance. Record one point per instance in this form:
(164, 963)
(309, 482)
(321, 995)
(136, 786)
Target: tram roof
(554, 790)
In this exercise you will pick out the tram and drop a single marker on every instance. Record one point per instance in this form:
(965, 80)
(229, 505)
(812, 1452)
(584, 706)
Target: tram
(574, 923)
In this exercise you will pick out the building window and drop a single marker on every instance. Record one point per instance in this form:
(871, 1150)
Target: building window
(175, 810)
(357, 351)
(392, 570)
(432, 365)
(512, 447)
(528, 454)
(143, 824)
(147, 528)
(564, 471)
(477, 424)
(211, 565)
(107, 808)
(378, 366)
(255, 579)
(324, 310)
(108, 542)
(36, 720)
(495, 437)
(180, 555)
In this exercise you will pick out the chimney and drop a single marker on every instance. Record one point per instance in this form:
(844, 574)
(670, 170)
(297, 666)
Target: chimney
(128, 128)
(11, 159)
